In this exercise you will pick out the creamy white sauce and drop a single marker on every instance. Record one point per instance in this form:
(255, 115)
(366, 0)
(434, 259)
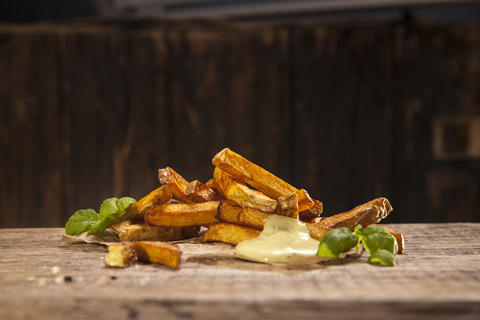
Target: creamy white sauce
(280, 238)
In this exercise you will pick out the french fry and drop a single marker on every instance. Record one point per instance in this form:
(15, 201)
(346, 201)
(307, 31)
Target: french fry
(241, 194)
(256, 219)
(228, 211)
(398, 236)
(229, 233)
(316, 232)
(311, 213)
(175, 182)
(240, 168)
(137, 210)
(365, 214)
(252, 218)
(139, 230)
(159, 252)
(288, 205)
(213, 185)
(182, 214)
(199, 192)
(120, 255)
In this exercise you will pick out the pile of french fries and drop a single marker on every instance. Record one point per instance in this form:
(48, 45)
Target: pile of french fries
(234, 205)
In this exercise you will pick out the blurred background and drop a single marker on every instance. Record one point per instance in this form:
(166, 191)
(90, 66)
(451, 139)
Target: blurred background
(348, 99)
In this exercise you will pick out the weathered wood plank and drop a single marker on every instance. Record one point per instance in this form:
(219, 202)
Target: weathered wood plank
(148, 141)
(6, 176)
(438, 277)
(375, 166)
(227, 89)
(437, 66)
(31, 177)
(93, 69)
(91, 110)
(330, 64)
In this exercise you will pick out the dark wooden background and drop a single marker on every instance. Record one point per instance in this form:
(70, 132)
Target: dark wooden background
(91, 110)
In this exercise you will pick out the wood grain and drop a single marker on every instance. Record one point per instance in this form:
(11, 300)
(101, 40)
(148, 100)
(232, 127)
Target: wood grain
(92, 109)
(444, 186)
(438, 277)
(31, 122)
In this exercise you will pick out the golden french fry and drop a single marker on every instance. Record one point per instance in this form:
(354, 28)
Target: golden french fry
(139, 230)
(365, 214)
(252, 218)
(256, 219)
(240, 168)
(137, 210)
(241, 194)
(183, 214)
(175, 182)
(316, 232)
(304, 200)
(229, 233)
(398, 236)
(228, 211)
(312, 213)
(288, 205)
(159, 252)
(199, 192)
(213, 185)
(120, 255)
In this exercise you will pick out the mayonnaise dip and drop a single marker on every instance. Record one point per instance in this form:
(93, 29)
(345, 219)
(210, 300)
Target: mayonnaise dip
(281, 237)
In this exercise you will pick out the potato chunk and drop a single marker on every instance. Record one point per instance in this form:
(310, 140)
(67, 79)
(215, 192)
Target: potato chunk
(137, 210)
(199, 192)
(316, 231)
(241, 194)
(228, 211)
(311, 213)
(159, 252)
(140, 231)
(120, 255)
(252, 218)
(365, 214)
(288, 205)
(259, 178)
(229, 233)
(175, 182)
(183, 214)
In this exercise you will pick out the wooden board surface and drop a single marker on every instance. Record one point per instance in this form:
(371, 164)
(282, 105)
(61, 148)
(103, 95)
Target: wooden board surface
(438, 277)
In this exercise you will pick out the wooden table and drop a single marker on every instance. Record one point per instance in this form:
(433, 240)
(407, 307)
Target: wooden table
(438, 277)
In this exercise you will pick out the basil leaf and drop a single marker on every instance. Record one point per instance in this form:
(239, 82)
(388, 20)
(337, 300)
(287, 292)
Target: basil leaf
(359, 232)
(336, 241)
(98, 227)
(375, 238)
(123, 204)
(371, 229)
(382, 256)
(81, 221)
(111, 211)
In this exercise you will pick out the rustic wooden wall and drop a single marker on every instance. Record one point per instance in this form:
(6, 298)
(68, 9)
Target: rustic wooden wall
(92, 110)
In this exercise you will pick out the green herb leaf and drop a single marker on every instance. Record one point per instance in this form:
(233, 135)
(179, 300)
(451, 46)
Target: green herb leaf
(111, 211)
(98, 227)
(375, 238)
(336, 241)
(81, 221)
(382, 256)
(359, 232)
(124, 203)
